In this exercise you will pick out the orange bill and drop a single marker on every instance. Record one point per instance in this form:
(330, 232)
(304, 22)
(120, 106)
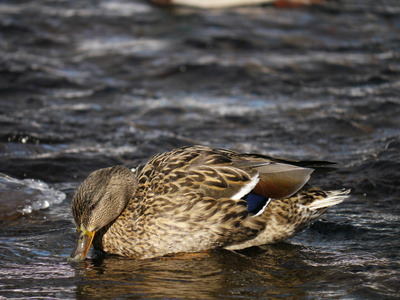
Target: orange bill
(82, 245)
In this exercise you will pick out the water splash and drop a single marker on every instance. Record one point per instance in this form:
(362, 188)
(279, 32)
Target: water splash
(21, 197)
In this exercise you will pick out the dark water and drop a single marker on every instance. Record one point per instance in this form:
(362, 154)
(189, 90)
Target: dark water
(90, 84)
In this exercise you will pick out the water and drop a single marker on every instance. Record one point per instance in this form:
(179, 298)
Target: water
(86, 85)
(20, 197)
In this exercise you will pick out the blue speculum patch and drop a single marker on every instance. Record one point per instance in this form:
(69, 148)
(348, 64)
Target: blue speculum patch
(255, 202)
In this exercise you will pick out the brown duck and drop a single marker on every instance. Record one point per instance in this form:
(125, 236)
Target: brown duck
(196, 198)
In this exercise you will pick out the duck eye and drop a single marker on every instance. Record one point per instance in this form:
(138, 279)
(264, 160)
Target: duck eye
(93, 206)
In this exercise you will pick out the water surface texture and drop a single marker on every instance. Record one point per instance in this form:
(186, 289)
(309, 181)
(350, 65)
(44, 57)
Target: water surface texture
(90, 84)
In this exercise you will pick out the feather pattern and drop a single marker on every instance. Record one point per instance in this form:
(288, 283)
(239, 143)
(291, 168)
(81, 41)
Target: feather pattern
(196, 198)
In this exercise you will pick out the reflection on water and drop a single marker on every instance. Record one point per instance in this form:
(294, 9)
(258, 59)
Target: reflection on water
(86, 85)
(223, 273)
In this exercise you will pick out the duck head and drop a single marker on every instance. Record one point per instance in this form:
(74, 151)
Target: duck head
(98, 201)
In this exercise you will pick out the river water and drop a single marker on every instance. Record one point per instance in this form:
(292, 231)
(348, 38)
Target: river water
(90, 84)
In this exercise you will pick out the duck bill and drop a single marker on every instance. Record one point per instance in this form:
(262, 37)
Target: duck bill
(82, 245)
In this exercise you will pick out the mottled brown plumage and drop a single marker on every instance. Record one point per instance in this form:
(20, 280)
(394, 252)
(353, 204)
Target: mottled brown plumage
(196, 198)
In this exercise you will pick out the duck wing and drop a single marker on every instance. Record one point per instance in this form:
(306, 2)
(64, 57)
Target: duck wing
(224, 174)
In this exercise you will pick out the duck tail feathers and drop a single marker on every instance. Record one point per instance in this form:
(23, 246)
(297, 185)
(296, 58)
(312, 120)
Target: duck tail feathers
(333, 198)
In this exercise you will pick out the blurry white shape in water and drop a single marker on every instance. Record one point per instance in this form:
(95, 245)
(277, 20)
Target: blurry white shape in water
(213, 3)
(25, 196)
(210, 4)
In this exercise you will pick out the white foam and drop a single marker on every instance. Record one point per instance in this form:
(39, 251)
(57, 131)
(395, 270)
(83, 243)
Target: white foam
(26, 196)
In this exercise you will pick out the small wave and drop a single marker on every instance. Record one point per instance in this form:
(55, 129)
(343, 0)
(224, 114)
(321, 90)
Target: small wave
(21, 197)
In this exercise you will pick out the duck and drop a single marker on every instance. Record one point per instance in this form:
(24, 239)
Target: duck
(197, 198)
